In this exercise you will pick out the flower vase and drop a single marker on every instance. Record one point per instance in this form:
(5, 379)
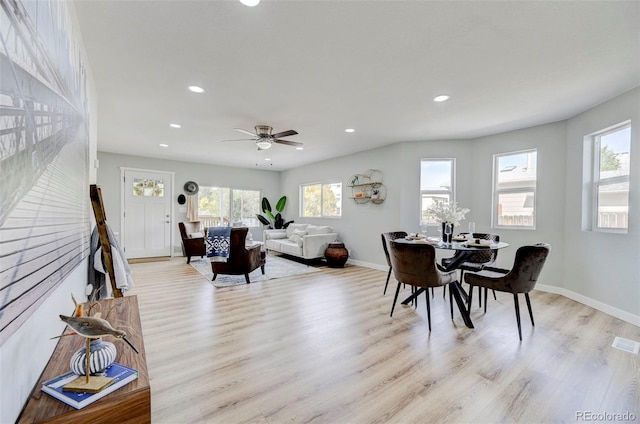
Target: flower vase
(102, 356)
(447, 238)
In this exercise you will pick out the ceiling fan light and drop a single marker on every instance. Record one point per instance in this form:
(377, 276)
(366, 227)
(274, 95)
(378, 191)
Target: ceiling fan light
(263, 144)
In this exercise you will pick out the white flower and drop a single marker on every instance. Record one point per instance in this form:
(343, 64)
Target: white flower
(444, 211)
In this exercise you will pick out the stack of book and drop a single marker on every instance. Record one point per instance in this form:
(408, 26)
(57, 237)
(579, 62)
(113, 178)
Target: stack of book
(120, 374)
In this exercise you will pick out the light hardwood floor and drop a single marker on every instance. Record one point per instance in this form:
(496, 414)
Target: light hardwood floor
(322, 348)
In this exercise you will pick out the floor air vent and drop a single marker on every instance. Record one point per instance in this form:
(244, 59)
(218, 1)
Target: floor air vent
(626, 345)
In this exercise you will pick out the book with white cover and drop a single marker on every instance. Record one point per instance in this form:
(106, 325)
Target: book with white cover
(120, 373)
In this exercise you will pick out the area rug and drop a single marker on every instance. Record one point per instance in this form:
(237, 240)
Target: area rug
(275, 267)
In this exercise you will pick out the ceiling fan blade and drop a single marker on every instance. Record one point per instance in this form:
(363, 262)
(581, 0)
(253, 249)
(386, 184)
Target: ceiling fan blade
(240, 139)
(285, 134)
(287, 142)
(246, 132)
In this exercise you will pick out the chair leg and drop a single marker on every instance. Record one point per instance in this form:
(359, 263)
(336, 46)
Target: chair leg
(432, 292)
(262, 269)
(444, 291)
(494, 295)
(486, 291)
(246, 277)
(387, 283)
(395, 299)
(415, 300)
(188, 259)
(517, 304)
(526, 296)
(214, 277)
(468, 298)
(450, 301)
(426, 295)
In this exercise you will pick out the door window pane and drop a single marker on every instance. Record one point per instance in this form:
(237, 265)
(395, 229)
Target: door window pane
(148, 187)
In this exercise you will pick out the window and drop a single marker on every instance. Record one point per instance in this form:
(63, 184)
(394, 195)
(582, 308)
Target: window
(611, 151)
(219, 206)
(148, 188)
(436, 183)
(321, 200)
(514, 192)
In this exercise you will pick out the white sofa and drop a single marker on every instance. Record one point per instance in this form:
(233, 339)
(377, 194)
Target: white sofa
(305, 241)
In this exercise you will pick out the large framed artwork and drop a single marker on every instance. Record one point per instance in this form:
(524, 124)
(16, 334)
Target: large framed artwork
(44, 156)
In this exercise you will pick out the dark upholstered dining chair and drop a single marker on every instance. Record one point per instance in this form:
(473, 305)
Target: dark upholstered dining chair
(415, 264)
(192, 246)
(475, 261)
(521, 278)
(386, 238)
(242, 258)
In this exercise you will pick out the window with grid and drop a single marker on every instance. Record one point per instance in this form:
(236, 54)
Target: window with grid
(514, 189)
(436, 184)
(222, 206)
(321, 200)
(610, 192)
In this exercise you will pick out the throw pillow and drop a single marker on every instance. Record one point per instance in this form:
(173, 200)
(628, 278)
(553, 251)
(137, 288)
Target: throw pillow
(196, 235)
(296, 236)
(293, 227)
(319, 229)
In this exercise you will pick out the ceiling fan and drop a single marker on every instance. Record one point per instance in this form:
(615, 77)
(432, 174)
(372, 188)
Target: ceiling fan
(264, 139)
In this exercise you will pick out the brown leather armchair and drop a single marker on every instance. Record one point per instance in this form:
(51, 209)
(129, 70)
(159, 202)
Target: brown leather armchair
(192, 246)
(242, 259)
(521, 278)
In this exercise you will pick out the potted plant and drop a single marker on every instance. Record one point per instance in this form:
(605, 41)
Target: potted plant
(273, 221)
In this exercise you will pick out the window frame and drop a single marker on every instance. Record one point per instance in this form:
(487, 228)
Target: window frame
(597, 182)
(514, 190)
(230, 210)
(451, 192)
(322, 185)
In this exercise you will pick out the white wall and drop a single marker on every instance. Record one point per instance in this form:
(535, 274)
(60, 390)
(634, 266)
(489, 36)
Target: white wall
(25, 354)
(549, 140)
(603, 269)
(205, 175)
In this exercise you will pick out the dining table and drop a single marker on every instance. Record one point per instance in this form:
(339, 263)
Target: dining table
(458, 244)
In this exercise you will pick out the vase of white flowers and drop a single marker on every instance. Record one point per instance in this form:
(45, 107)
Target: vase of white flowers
(446, 213)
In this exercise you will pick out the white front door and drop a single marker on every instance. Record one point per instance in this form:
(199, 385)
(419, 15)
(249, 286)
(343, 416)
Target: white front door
(147, 213)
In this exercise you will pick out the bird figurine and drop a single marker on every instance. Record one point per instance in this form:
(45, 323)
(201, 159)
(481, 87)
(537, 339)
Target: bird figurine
(93, 327)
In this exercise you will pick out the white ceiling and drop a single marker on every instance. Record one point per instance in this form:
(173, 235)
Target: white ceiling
(319, 67)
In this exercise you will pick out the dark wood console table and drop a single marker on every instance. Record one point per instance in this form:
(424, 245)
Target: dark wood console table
(129, 404)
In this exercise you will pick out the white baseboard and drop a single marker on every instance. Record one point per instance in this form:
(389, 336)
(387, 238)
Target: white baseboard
(595, 304)
(368, 265)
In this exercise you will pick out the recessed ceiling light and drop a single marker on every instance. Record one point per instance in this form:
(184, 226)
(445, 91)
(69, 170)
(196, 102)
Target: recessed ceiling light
(164, 145)
(349, 130)
(175, 125)
(250, 3)
(196, 89)
(441, 98)
(299, 148)
(267, 159)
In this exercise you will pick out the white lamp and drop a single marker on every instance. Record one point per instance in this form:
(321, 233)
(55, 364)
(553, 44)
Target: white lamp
(250, 3)
(263, 144)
